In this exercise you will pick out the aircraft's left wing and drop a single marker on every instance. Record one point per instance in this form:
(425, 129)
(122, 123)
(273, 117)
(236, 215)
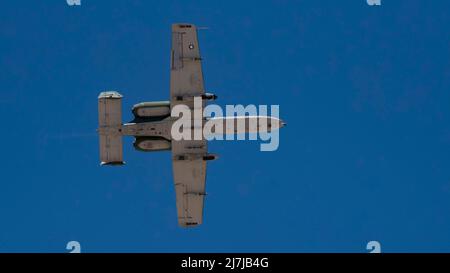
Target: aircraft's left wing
(189, 173)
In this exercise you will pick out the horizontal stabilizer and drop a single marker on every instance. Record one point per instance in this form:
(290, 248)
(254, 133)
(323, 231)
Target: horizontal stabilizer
(110, 117)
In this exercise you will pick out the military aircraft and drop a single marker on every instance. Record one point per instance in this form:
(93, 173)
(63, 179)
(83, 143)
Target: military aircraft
(152, 123)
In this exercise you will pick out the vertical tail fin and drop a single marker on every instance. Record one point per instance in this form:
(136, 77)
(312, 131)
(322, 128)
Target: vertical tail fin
(110, 123)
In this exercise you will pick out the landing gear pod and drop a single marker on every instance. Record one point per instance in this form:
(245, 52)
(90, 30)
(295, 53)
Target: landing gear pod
(209, 96)
(152, 109)
(208, 157)
(151, 144)
(206, 96)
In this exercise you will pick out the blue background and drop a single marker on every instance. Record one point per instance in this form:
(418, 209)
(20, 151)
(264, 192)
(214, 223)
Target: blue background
(365, 156)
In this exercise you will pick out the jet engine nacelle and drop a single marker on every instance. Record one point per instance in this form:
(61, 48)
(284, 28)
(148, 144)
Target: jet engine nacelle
(151, 109)
(151, 144)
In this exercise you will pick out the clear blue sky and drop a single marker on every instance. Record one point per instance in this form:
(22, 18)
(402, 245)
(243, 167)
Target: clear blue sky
(365, 156)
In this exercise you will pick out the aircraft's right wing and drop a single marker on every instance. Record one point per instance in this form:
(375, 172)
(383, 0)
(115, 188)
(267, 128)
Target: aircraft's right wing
(186, 77)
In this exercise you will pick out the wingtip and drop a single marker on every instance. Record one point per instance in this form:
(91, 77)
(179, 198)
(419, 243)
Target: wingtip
(112, 163)
(177, 26)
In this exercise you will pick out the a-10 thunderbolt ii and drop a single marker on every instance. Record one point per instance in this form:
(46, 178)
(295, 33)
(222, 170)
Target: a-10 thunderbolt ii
(153, 121)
